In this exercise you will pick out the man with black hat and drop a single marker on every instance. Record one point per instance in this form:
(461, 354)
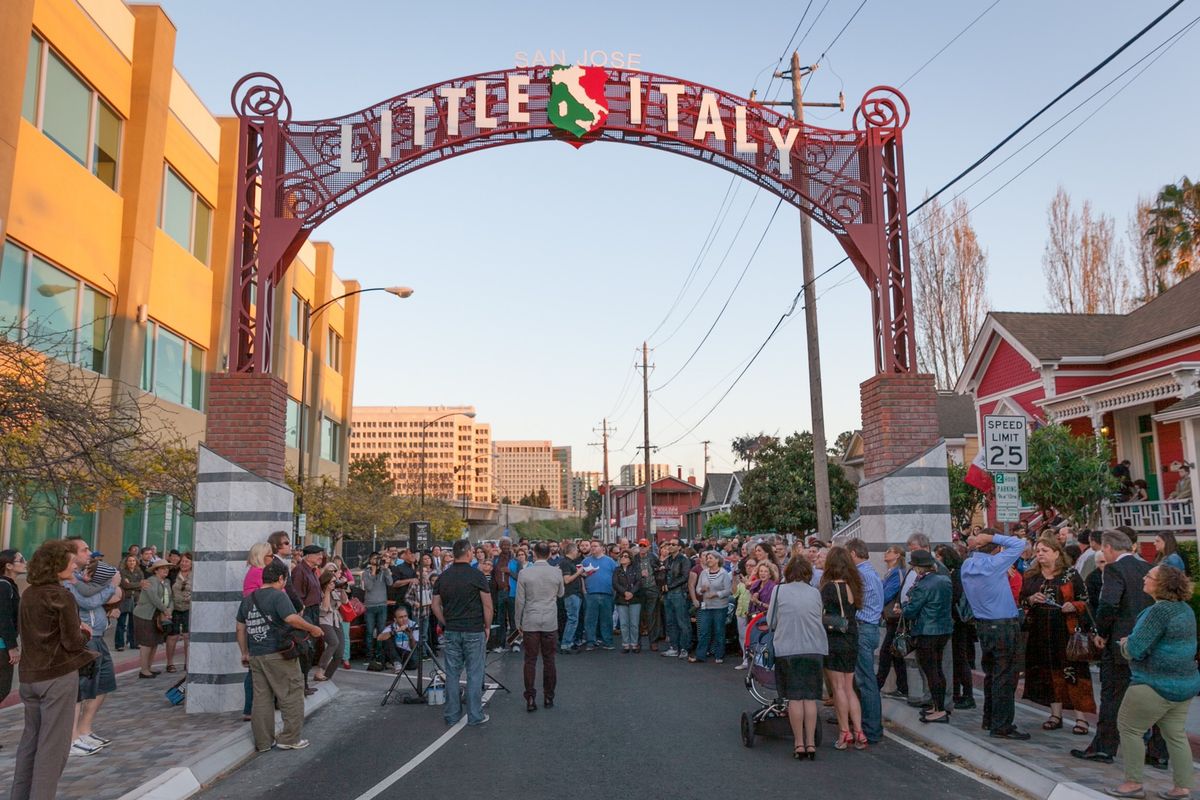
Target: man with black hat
(648, 567)
(306, 583)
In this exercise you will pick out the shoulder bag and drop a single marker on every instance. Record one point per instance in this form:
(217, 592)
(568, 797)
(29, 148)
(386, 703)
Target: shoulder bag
(352, 609)
(837, 623)
(293, 642)
(902, 643)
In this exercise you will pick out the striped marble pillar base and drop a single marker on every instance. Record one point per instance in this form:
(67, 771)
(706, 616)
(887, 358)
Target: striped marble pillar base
(234, 509)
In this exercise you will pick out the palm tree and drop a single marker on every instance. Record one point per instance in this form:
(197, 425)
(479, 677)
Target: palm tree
(1175, 226)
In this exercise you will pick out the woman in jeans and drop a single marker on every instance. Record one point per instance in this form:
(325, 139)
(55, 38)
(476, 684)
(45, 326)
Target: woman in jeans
(1162, 659)
(893, 559)
(345, 580)
(131, 587)
(928, 612)
(12, 565)
(375, 580)
(627, 589)
(55, 648)
(713, 588)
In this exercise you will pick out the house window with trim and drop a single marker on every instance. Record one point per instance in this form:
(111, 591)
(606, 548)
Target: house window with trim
(56, 312)
(184, 216)
(71, 113)
(173, 367)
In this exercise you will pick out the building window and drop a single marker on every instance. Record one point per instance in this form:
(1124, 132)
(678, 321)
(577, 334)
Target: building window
(71, 113)
(184, 216)
(173, 367)
(298, 320)
(63, 316)
(331, 433)
(333, 351)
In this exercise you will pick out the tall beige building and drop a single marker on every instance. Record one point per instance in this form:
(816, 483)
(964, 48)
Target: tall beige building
(635, 474)
(457, 449)
(525, 467)
(583, 484)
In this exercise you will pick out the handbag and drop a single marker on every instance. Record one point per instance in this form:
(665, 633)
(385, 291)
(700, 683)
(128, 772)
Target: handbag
(293, 642)
(837, 623)
(351, 609)
(902, 642)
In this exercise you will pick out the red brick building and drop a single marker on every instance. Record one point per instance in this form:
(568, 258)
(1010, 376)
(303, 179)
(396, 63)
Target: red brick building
(672, 499)
(1134, 378)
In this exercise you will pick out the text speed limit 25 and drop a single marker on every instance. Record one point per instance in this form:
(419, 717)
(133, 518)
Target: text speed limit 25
(1004, 442)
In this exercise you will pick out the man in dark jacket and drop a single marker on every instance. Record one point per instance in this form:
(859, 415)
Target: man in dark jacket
(1121, 601)
(651, 571)
(675, 604)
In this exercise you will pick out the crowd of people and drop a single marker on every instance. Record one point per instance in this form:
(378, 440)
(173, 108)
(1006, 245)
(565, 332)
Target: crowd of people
(1039, 606)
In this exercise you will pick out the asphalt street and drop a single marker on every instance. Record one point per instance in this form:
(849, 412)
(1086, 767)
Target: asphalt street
(622, 726)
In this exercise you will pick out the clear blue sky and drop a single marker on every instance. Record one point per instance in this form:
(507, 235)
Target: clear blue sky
(541, 344)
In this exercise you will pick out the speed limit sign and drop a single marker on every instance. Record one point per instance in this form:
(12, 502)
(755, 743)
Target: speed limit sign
(1004, 443)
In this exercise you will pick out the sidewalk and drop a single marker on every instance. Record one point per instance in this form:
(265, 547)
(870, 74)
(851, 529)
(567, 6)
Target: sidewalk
(151, 738)
(1042, 766)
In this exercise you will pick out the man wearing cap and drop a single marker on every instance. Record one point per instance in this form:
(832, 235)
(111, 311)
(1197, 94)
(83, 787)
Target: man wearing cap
(648, 567)
(985, 585)
(91, 595)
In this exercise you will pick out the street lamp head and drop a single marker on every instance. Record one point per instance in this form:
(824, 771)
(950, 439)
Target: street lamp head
(400, 291)
(469, 415)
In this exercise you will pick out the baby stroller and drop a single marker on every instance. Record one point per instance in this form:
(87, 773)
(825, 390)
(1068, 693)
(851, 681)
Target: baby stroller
(771, 718)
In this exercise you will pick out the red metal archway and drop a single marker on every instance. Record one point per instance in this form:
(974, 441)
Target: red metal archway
(295, 175)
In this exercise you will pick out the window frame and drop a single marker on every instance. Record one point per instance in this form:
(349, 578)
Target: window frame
(39, 114)
(196, 200)
(150, 379)
(333, 350)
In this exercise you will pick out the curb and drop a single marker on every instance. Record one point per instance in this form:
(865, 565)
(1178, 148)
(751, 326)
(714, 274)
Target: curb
(223, 755)
(996, 761)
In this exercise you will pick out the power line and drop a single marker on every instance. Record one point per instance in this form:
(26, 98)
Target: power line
(732, 292)
(1129, 42)
(829, 46)
(946, 46)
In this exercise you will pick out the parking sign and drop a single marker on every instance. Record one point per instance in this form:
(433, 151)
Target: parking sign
(1008, 497)
(1004, 443)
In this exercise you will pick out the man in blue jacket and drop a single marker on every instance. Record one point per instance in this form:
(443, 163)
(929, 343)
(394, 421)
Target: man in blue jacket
(985, 584)
(598, 626)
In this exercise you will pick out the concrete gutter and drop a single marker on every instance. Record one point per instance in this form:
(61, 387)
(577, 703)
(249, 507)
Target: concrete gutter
(223, 755)
(997, 763)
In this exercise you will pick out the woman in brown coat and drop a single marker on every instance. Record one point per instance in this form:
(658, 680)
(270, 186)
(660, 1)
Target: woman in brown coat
(53, 649)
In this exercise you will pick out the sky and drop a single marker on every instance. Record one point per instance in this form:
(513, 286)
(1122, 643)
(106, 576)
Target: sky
(540, 270)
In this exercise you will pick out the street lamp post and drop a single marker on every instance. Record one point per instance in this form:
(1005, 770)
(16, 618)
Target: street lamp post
(399, 291)
(424, 429)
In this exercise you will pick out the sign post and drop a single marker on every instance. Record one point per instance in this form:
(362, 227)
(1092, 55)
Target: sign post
(1004, 444)
(1008, 497)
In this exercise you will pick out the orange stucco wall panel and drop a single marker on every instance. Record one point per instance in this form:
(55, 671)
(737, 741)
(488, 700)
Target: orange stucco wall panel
(176, 282)
(85, 47)
(64, 212)
(191, 160)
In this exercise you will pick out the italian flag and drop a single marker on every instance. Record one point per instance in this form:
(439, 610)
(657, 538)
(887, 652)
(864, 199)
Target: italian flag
(977, 476)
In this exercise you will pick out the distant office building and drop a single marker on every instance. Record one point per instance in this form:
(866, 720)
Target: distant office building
(635, 474)
(562, 455)
(524, 467)
(583, 484)
(457, 449)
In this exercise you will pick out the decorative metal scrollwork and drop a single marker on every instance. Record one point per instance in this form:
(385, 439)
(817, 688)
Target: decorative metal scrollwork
(261, 98)
(881, 107)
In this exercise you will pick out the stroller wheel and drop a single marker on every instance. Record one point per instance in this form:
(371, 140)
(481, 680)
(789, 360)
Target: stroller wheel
(747, 730)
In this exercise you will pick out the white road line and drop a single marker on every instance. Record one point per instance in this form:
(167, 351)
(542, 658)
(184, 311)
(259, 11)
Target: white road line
(948, 765)
(420, 757)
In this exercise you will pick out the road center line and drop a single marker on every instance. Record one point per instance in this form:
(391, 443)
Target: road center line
(420, 757)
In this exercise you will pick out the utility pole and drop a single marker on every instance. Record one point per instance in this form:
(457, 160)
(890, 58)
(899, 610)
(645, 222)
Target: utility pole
(706, 443)
(646, 441)
(820, 455)
(605, 511)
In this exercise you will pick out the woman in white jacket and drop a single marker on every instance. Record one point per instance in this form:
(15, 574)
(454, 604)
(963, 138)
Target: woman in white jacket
(714, 586)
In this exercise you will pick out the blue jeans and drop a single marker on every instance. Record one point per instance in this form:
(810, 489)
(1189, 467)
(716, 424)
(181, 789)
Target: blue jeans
(710, 627)
(679, 625)
(124, 634)
(598, 626)
(868, 685)
(464, 650)
(631, 622)
(573, 602)
(376, 619)
(345, 641)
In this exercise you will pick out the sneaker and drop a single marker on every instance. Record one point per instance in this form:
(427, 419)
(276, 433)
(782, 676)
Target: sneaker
(397, 669)
(683, 654)
(516, 648)
(896, 695)
(81, 747)
(481, 722)
(300, 745)
(96, 741)
(590, 648)
(266, 749)
(718, 661)
(741, 665)
(496, 650)
(607, 647)
(670, 653)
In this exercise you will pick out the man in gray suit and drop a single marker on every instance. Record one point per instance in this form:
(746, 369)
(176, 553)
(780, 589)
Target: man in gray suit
(538, 588)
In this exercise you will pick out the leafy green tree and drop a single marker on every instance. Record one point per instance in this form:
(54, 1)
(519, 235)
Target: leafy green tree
(593, 507)
(543, 498)
(779, 493)
(1068, 473)
(717, 523)
(965, 499)
(1175, 227)
(841, 443)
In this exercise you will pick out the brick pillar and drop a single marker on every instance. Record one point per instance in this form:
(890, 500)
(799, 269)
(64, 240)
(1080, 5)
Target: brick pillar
(247, 417)
(899, 420)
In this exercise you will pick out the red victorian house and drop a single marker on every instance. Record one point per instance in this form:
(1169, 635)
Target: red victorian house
(672, 499)
(1133, 377)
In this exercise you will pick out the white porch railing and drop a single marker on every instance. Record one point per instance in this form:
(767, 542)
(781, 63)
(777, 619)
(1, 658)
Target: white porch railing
(848, 531)
(1154, 515)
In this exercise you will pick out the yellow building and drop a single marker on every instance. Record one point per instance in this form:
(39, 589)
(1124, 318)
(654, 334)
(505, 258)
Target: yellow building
(525, 467)
(116, 215)
(439, 447)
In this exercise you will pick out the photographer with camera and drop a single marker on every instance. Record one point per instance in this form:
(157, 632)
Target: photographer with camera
(375, 582)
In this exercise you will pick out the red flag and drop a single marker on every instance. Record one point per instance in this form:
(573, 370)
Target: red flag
(977, 476)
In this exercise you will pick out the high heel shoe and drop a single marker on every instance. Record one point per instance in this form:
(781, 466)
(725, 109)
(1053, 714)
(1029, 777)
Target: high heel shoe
(798, 753)
(812, 752)
(845, 739)
(860, 741)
